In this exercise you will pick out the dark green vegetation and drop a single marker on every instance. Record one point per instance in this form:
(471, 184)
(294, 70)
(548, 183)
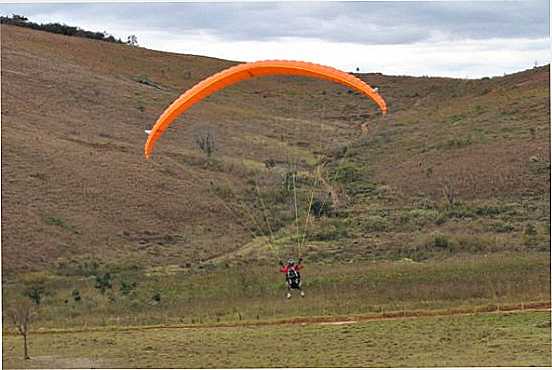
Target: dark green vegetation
(517, 339)
(21, 21)
(442, 204)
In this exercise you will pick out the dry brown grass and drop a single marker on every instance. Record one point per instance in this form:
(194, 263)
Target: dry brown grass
(75, 182)
(73, 152)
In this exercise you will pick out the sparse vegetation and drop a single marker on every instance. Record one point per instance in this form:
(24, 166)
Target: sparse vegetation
(146, 81)
(58, 221)
(205, 141)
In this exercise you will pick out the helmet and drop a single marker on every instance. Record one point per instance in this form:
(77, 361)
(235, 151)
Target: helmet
(291, 261)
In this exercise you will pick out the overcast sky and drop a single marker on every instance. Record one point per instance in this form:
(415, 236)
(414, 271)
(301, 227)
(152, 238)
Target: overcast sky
(461, 39)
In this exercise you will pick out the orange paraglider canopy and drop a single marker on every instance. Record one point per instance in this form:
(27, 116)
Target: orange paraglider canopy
(246, 71)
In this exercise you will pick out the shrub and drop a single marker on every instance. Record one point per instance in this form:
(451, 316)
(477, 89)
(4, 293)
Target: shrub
(320, 208)
(440, 241)
(488, 211)
(206, 143)
(90, 268)
(538, 166)
(127, 288)
(270, 163)
(289, 182)
(330, 231)
(56, 221)
(146, 81)
(86, 268)
(35, 293)
(375, 224)
(530, 230)
(475, 243)
(501, 227)
(156, 297)
(424, 203)
(448, 189)
(441, 218)
(104, 282)
(223, 191)
(421, 217)
(456, 118)
(76, 295)
(341, 152)
(459, 211)
(346, 172)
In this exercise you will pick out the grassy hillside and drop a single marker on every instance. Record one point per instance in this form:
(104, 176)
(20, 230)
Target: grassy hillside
(457, 171)
(465, 169)
(75, 182)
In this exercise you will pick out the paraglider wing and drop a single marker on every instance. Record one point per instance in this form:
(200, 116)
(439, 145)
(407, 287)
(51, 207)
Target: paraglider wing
(246, 71)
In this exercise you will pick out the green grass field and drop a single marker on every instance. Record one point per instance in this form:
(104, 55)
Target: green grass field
(506, 339)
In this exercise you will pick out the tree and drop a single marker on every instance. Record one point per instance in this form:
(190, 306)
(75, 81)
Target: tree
(18, 17)
(21, 314)
(132, 40)
(448, 188)
(270, 163)
(205, 141)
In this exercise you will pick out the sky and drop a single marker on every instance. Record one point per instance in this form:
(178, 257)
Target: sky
(466, 39)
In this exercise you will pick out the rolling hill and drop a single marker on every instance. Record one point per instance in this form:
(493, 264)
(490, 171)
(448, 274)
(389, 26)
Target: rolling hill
(456, 167)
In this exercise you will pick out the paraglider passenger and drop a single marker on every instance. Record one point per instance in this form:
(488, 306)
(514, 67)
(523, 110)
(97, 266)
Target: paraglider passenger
(293, 277)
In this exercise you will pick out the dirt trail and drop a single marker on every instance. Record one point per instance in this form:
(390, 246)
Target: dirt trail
(324, 320)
